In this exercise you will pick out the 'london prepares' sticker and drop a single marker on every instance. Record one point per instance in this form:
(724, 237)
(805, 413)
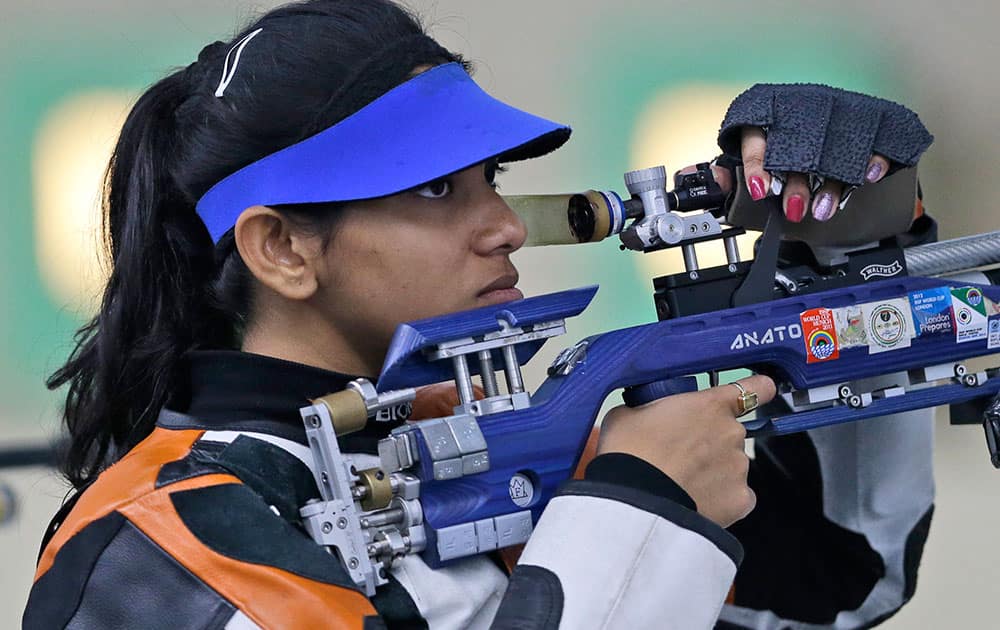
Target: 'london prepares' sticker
(931, 311)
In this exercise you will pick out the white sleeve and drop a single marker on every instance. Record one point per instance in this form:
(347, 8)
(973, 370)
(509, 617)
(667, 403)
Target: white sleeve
(619, 557)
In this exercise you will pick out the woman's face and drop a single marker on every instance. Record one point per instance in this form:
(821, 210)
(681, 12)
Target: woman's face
(442, 248)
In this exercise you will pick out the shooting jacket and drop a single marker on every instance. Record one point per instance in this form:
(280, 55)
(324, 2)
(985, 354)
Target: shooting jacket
(198, 527)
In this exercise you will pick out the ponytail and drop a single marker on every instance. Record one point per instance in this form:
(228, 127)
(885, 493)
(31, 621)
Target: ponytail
(155, 305)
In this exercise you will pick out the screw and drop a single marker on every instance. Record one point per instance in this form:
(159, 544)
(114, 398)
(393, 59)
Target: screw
(327, 527)
(693, 275)
(732, 268)
(960, 370)
(694, 228)
(705, 227)
(970, 380)
(854, 401)
(342, 523)
(314, 421)
(324, 478)
(353, 563)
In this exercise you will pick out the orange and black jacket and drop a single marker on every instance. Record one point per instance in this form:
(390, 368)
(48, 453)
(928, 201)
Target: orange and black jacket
(182, 534)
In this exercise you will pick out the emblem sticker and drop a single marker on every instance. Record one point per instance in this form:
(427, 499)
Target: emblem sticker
(850, 326)
(522, 491)
(969, 309)
(993, 337)
(819, 330)
(931, 311)
(888, 325)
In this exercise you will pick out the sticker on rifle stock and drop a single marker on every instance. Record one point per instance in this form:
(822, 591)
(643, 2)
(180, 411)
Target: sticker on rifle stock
(931, 311)
(521, 490)
(993, 336)
(888, 325)
(969, 309)
(819, 330)
(850, 326)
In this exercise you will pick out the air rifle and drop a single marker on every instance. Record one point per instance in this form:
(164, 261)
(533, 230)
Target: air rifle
(849, 332)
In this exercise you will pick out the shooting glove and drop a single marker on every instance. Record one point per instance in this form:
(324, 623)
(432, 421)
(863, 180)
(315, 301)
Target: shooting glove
(824, 130)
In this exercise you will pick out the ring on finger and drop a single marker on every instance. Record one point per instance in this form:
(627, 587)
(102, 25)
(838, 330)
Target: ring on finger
(746, 402)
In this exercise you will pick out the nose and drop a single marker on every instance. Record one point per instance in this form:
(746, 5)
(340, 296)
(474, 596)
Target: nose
(502, 230)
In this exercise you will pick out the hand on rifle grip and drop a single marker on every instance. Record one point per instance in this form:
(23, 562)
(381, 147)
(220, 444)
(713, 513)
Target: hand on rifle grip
(694, 438)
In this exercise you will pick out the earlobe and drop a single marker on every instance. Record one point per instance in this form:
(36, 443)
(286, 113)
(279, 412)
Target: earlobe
(274, 254)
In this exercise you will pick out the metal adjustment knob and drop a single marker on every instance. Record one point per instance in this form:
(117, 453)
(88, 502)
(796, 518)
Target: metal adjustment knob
(646, 179)
(670, 229)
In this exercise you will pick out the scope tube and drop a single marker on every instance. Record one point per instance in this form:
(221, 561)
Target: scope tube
(586, 217)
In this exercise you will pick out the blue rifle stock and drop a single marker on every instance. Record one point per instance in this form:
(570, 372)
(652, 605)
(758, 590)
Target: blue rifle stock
(543, 442)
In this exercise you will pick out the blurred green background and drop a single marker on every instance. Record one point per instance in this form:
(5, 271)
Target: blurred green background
(642, 82)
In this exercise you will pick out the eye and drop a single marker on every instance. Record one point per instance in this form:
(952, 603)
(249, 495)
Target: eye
(490, 170)
(435, 190)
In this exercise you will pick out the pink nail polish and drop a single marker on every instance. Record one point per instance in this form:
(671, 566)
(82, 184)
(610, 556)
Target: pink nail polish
(795, 209)
(757, 191)
(873, 172)
(824, 207)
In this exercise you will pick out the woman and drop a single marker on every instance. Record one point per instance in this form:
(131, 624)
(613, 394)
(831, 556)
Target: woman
(274, 211)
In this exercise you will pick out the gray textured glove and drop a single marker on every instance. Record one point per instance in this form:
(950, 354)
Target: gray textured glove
(824, 130)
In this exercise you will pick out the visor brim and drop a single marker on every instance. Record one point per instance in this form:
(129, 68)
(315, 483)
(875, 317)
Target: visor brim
(435, 124)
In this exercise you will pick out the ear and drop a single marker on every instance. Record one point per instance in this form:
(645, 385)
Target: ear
(280, 257)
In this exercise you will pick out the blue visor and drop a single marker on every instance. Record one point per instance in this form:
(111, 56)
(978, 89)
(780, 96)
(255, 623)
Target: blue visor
(435, 124)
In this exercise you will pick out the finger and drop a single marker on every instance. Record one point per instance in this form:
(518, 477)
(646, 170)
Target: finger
(723, 176)
(826, 200)
(796, 196)
(878, 166)
(757, 384)
(749, 503)
(754, 145)
(762, 385)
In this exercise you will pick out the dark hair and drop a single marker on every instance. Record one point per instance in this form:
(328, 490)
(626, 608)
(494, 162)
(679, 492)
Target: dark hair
(171, 290)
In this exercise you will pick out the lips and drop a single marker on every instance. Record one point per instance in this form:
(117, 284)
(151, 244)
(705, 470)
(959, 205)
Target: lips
(506, 281)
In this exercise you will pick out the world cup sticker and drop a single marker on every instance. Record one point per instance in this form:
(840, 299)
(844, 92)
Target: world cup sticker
(819, 331)
(931, 311)
(969, 308)
(993, 339)
(889, 325)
